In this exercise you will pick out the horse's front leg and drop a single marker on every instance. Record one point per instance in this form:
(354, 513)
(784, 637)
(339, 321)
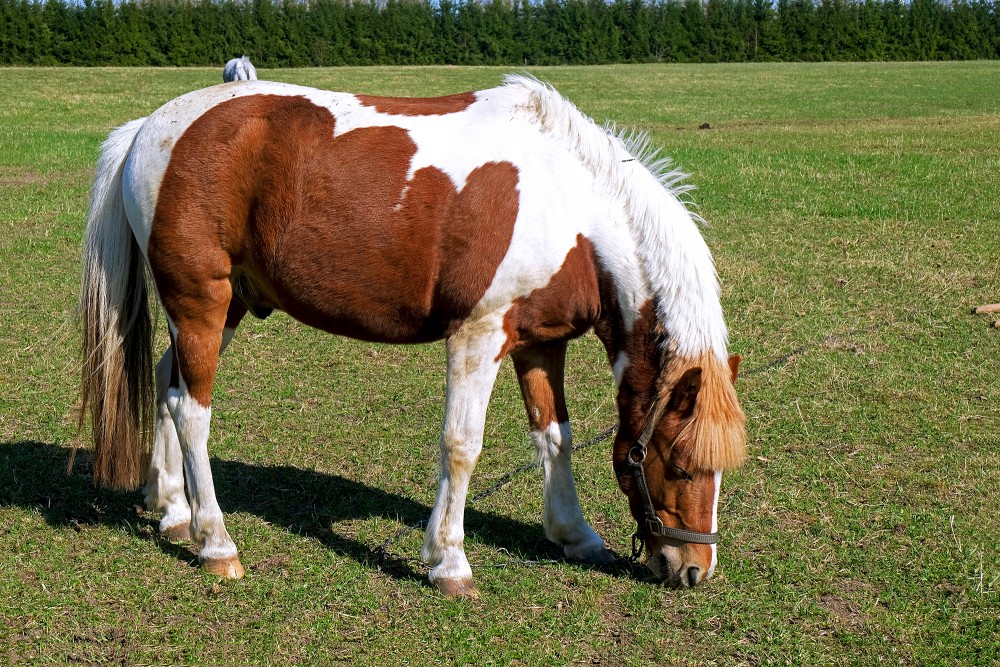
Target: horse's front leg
(472, 370)
(540, 374)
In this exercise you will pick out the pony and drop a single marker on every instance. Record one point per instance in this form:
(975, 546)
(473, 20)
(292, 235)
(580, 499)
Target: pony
(503, 221)
(239, 69)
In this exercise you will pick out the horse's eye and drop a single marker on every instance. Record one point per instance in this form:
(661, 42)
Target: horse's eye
(682, 473)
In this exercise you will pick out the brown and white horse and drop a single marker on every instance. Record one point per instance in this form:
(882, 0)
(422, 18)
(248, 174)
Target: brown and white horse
(503, 221)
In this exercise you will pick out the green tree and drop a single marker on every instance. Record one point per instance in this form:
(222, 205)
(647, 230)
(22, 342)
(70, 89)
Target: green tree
(799, 30)
(925, 33)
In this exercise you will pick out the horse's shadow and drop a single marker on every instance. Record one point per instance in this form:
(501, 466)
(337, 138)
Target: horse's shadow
(33, 475)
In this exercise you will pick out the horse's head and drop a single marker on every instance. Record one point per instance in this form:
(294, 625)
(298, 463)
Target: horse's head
(669, 463)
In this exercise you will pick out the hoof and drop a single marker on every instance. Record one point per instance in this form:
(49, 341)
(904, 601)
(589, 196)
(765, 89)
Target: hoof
(463, 588)
(228, 568)
(179, 533)
(596, 556)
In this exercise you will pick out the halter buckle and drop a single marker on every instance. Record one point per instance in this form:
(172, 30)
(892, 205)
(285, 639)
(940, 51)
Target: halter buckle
(638, 544)
(655, 526)
(636, 455)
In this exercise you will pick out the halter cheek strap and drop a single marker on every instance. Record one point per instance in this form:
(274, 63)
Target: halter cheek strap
(652, 523)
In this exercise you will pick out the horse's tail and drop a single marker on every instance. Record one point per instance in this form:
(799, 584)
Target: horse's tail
(117, 384)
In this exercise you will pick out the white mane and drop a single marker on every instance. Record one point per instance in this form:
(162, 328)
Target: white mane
(676, 263)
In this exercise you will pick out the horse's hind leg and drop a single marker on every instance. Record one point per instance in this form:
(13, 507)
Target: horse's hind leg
(540, 373)
(197, 312)
(472, 370)
(165, 481)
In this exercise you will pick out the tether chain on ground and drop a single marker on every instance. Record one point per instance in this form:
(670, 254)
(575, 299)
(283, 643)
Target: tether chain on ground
(383, 550)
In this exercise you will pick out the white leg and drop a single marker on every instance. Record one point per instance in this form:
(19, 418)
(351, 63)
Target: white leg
(541, 375)
(563, 519)
(472, 370)
(217, 552)
(165, 481)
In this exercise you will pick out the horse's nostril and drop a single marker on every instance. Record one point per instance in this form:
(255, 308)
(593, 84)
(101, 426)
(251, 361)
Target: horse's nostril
(692, 575)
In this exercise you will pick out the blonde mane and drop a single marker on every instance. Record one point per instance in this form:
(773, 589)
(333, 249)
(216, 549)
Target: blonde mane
(716, 431)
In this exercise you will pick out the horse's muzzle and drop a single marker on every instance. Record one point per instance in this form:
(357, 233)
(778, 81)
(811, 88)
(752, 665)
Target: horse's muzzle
(680, 567)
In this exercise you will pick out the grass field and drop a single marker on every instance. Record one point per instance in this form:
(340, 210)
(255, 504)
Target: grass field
(855, 219)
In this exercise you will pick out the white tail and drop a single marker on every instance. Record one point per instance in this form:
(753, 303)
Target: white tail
(117, 375)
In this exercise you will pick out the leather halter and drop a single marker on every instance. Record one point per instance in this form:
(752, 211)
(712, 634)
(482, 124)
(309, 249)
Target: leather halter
(652, 523)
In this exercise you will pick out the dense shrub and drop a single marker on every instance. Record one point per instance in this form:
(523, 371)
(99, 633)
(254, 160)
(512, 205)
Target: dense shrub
(291, 33)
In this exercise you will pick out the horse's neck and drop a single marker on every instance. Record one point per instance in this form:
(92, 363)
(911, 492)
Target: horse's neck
(643, 351)
(629, 335)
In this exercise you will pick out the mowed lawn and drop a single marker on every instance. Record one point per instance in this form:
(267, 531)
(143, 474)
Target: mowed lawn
(854, 213)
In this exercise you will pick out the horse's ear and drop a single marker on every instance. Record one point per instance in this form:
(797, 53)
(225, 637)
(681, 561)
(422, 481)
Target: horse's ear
(734, 365)
(685, 392)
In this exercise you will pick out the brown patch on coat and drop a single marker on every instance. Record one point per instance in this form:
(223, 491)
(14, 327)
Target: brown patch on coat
(261, 194)
(541, 375)
(418, 106)
(565, 308)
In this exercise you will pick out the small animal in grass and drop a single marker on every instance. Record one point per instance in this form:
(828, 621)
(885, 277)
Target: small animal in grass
(239, 69)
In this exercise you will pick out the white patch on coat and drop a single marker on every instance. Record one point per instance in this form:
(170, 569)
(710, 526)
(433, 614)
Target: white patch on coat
(715, 522)
(562, 519)
(674, 258)
(618, 370)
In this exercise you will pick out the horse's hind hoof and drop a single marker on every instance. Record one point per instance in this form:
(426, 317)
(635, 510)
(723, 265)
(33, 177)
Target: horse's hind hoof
(227, 568)
(463, 588)
(178, 533)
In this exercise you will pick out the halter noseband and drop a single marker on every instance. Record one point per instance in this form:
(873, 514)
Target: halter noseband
(652, 524)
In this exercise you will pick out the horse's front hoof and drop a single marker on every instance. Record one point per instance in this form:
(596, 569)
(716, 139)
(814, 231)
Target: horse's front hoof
(228, 568)
(463, 588)
(596, 556)
(178, 533)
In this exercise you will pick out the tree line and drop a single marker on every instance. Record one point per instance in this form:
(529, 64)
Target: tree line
(298, 33)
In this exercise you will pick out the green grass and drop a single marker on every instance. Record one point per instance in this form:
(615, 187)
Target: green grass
(854, 216)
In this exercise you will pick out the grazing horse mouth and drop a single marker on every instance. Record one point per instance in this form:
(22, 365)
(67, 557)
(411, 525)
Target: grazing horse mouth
(685, 576)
